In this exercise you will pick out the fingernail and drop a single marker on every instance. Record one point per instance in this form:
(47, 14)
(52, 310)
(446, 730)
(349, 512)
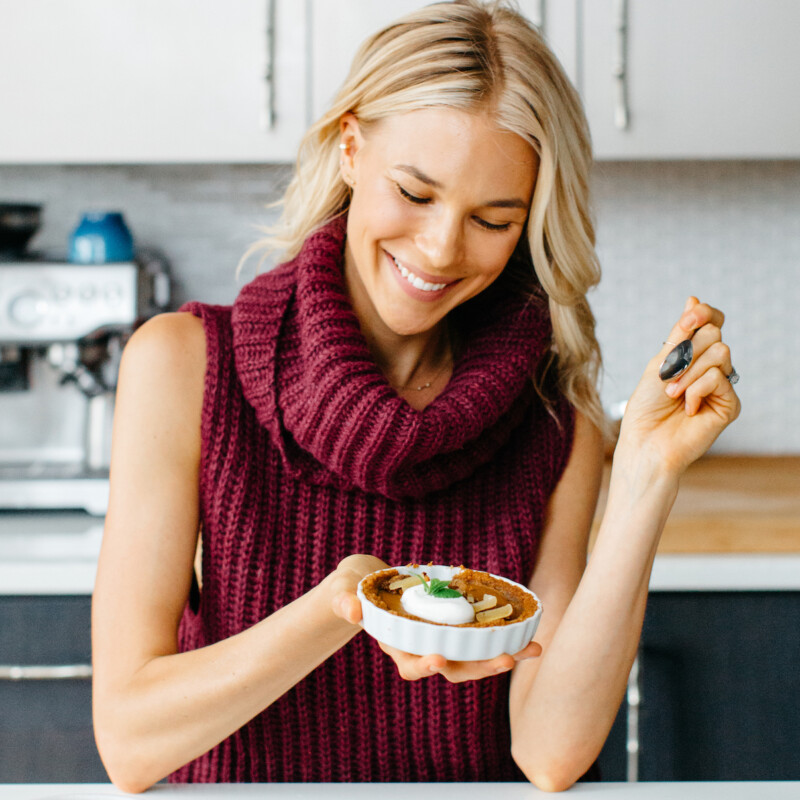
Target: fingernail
(672, 389)
(688, 304)
(501, 669)
(688, 321)
(433, 668)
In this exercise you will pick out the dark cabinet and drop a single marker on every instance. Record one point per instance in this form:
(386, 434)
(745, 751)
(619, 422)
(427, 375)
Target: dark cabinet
(46, 724)
(719, 689)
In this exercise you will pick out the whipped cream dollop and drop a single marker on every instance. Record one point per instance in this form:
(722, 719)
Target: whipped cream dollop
(445, 610)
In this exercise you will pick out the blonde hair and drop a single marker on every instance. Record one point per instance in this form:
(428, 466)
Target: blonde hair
(475, 56)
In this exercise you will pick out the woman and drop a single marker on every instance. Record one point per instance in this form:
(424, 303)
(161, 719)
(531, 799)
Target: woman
(417, 383)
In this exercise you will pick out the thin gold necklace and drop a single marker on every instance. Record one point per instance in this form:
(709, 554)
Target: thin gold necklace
(426, 385)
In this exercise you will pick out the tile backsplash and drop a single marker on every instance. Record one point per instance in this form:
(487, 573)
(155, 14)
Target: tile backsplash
(727, 232)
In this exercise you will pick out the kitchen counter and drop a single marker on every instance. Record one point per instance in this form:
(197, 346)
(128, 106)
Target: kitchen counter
(49, 553)
(723, 790)
(732, 504)
(734, 526)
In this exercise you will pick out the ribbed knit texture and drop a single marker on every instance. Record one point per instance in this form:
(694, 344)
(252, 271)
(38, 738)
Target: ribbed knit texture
(310, 456)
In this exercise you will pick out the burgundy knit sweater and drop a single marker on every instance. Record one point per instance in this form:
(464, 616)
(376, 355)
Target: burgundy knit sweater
(308, 456)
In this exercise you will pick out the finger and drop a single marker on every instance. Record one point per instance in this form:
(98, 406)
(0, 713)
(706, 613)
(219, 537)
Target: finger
(711, 385)
(717, 354)
(695, 315)
(532, 650)
(683, 328)
(347, 606)
(461, 671)
(411, 667)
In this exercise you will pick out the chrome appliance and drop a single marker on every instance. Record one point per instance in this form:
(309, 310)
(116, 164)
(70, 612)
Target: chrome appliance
(62, 330)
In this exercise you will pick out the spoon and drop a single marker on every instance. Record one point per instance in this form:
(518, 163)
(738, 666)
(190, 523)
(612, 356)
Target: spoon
(677, 361)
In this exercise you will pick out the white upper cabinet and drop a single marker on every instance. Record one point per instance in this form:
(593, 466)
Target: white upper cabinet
(148, 81)
(339, 26)
(698, 78)
(126, 81)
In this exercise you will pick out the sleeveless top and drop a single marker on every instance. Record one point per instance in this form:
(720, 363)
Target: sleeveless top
(308, 456)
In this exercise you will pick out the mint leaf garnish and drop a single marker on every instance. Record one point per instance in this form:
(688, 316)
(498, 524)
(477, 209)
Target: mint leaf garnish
(437, 588)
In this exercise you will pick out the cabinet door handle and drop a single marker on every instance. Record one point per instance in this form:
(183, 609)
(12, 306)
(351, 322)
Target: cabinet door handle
(634, 698)
(268, 103)
(620, 65)
(43, 672)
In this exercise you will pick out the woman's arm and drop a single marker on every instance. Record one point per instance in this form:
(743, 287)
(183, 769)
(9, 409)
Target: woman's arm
(156, 709)
(564, 703)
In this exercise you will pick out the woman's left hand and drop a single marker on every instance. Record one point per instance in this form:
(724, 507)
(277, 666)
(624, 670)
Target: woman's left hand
(676, 422)
(412, 668)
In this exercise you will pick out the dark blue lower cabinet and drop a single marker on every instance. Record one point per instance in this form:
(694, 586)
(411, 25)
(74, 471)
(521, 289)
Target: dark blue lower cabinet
(46, 733)
(719, 679)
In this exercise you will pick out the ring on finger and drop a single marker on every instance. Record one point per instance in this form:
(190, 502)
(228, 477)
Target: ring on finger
(733, 378)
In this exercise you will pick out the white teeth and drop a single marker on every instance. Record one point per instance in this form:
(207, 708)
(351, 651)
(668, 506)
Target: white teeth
(416, 281)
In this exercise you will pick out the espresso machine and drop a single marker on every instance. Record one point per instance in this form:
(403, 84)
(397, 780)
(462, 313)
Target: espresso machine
(63, 327)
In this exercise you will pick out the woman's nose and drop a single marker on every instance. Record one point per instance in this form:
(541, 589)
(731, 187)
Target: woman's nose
(441, 241)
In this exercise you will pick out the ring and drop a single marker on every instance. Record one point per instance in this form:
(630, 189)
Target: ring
(674, 344)
(733, 377)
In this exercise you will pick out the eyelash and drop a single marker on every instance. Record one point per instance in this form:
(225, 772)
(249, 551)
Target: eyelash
(422, 201)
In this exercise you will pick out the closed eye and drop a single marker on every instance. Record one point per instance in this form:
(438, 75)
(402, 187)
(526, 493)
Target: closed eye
(491, 226)
(421, 201)
(412, 198)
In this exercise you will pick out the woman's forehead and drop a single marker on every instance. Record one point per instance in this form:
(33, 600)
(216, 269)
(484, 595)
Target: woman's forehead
(445, 143)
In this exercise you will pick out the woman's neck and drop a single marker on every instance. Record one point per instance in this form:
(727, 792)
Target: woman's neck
(410, 362)
(417, 366)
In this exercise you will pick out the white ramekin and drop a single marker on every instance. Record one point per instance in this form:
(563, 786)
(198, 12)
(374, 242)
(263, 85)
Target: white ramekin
(452, 642)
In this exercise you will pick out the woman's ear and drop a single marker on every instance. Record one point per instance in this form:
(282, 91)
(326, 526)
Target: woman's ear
(350, 142)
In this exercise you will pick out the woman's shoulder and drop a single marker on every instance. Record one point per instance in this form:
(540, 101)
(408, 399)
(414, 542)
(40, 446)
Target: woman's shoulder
(168, 350)
(175, 334)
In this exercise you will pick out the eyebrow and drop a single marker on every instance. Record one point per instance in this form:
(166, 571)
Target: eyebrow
(512, 202)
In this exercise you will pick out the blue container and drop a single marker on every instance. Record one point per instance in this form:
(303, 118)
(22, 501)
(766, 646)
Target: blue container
(101, 237)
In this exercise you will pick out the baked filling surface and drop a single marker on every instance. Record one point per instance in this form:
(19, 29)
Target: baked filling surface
(491, 596)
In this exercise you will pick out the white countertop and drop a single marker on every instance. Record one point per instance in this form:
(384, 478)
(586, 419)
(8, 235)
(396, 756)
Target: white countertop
(49, 553)
(728, 572)
(721, 790)
(56, 554)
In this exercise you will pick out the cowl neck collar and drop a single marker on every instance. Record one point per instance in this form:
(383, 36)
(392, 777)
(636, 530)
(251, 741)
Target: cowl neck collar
(305, 367)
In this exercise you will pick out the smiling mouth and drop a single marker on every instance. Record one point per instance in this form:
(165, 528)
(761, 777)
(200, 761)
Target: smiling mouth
(416, 281)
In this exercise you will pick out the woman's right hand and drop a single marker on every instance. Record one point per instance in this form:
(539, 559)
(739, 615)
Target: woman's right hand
(345, 580)
(345, 604)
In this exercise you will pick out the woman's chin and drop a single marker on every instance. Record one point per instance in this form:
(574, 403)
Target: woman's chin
(403, 325)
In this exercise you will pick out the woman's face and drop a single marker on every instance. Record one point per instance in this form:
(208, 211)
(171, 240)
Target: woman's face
(440, 199)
